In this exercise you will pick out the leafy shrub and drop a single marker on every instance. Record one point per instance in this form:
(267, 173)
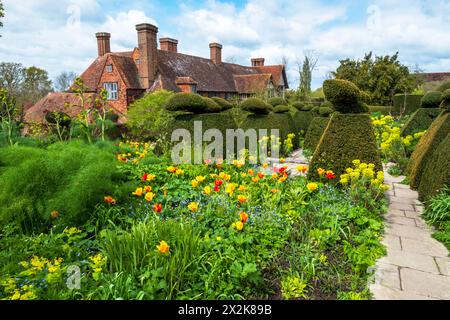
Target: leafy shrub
(444, 86)
(325, 111)
(298, 105)
(256, 106)
(315, 132)
(420, 120)
(281, 109)
(383, 110)
(307, 107)
(148, 118)
(211, 105)
(68, 178)
(315, 111)
(436, 173)
(437, 210)
(343, 94)
(431, 100)
(429, 142)
(60, 118)
(224, 104)
(276, 101)
(189, 102)
(406, 104)
(347, 137)
(445, 104)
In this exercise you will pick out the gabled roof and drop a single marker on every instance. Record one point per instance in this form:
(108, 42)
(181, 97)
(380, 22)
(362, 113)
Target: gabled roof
(252, 83)
(435, 76)
(277, 71)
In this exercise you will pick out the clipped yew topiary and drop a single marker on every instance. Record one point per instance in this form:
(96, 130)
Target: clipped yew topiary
(436, 173)
(281, 109)
(343, 94)
(302, 120)
(406, 104)
(315, 132)
(256, 106)
(189, 102)
(298, 105)
(429, 142)
(276, 101)
(281, 121)
(211, 106)
(445, 104)
(431, 99)
(384, 110)
(420, 120)
(224, 104)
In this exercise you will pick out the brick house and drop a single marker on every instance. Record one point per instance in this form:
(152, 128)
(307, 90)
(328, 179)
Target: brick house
(127, 76)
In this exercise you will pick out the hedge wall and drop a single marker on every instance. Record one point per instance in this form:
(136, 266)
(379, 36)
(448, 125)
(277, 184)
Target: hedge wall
(412, 103)
(315, 132)
(220, 121)
(437, 171)
(280, 121)
(420, 120)
(302, 120)
(346, 138)
(429, 142)
(384, 110)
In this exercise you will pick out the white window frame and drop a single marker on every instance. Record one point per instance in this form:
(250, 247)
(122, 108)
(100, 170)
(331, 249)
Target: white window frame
(113, 90)
(109, 68)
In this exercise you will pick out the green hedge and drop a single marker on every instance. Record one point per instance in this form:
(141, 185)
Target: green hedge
(281, 109)
(445, 104)
(257, 106)
(429, 142)
(298, 105)
(315, 132)
(220, 121)
(211, 106)
(188, 102)
(224, 104)
(410, 103)
(276, 101)
(436, 173)
(280, 121)
(384, 110)
(420, 120)
(343, 94)
(431, 99)
(444, 86)
(346, 138)
(325, 111)
(302, 120)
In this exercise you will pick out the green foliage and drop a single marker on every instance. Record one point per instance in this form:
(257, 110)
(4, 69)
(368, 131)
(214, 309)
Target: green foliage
(347, 137)
(256, 106)
(148, 118)
(436, 173)
(344, 95)
(281, 121)
(420, 120)
(281, 109)
(405, 104)
(431, 100)
(211, 105)
(302, 120)
(384, 110)
(444, 86)
(325, 111)
(437, 213)
(298, 105)
(69, 178)
(380, 76)
(445, 104)
(224, 104)
(188, 102)
(315, 132)
(276, 101)
(429, 142)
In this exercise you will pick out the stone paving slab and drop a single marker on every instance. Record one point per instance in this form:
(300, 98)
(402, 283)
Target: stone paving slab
(429, 247)
(381, 292)
(431, 285)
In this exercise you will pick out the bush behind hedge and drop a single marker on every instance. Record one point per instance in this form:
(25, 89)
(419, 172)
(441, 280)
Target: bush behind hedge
(346, 138)
(431, 99)
(420, 120)
(412, 103)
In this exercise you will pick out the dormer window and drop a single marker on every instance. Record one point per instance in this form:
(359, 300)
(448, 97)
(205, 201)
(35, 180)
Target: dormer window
(138, 61)
(109, 68)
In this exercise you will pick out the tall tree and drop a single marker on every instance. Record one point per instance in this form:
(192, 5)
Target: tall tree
(65, 80)
(381, 76)
(2, 14)
(12, 76)
(36, 84)
(305, 70)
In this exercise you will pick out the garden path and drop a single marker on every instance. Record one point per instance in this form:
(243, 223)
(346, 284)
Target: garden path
(417, 267)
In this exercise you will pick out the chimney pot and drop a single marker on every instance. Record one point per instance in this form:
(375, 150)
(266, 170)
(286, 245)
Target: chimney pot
(216, 52)
(258, 62)
(169, 44)
(103, 43)
(148, 51)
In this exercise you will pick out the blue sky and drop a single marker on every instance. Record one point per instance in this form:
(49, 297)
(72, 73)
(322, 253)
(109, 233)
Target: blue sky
(59, 36)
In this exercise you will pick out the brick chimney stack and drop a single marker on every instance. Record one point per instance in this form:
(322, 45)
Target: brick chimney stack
(148, 50)
(216, 52)
(258, 62)
(103, 43)
(169, 44)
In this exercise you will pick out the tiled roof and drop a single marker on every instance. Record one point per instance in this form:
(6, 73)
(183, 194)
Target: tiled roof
(252, 83)
(436, 76)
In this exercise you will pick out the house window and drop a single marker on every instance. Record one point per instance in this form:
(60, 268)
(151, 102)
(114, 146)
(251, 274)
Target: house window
(138, 61)
(112, 89)
(109, 68)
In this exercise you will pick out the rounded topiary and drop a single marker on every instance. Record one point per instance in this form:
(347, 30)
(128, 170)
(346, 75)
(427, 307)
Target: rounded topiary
(315, 132)
(298, 105)
(429, 142)
(347, 137)
(276, 101)
(445, 104)
(315, 110)
(189, 102)
(211, 106)
(257, 106)
(436, 173)
(281, 109)
(307, 107)
(431, 99)
(325, 111)
(364, 96)
(223, 103)
(343, 94)
(420, 120)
